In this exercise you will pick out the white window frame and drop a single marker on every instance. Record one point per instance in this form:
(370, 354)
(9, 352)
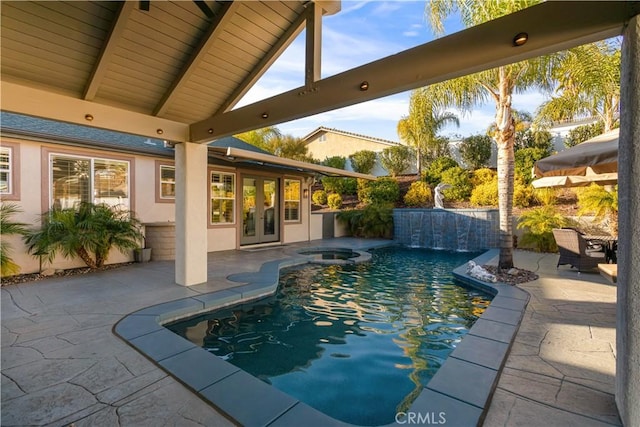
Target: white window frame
(161, 181)
(92, 160)
(212, 197)
(298, 200)
(8, 170)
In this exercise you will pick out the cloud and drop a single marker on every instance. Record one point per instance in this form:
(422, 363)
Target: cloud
(387, 7)
(378, 118)
(411, 33)
(352, 6)
(528, 101)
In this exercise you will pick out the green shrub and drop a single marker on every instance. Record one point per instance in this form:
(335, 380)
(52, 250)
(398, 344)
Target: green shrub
(582, 133)
(419, 194)
(546, 196)
(333, 184)
(485, 194)
(363, 161)
(433, 175)
(87, 231)
(396, 159)
(349, 186)
(601, 203)
(381, 191)
(524, 160)
(459, 179)
(539, 224)
(523, 194)
(475, 150)
(319, 197)
(337, 162)
(334, 201)
(8, 227)
(483, 176)
(374, 221)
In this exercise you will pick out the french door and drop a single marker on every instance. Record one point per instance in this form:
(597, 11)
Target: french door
(260, 210)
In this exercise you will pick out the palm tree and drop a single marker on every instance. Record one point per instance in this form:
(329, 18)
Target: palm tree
(601, 203)
(290, 147)
(589, 85)
(88, 231)
(497, 85)
(261, 138)
(8, 227)
(420, 128)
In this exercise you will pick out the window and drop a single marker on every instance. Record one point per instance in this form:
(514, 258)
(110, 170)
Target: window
(223, 198)
(76, 179)
(323, 137)
(167, 182)
(292, 200)
(5, 170)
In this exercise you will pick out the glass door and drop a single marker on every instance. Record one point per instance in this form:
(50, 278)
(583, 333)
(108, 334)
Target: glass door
(260, 210)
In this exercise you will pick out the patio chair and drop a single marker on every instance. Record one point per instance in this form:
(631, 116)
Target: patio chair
(574, 250)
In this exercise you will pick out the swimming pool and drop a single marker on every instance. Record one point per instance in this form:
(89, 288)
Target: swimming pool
(357, 342)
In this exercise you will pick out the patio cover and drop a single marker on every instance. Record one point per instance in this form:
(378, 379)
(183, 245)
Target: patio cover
(595, 160)
(232, 152)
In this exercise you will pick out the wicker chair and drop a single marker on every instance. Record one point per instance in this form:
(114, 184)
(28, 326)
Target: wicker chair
(574, 250)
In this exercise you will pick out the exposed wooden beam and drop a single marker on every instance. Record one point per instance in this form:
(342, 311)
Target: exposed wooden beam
(202, 5)
(313, 52)
(551, 26)
(104, 59)
(26, 100)
(225, 13)
(258, 71)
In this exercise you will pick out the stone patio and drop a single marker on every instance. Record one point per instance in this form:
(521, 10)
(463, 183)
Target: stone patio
(62, 364)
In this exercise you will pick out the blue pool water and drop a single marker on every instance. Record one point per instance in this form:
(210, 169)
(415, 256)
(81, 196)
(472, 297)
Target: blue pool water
(357, 342)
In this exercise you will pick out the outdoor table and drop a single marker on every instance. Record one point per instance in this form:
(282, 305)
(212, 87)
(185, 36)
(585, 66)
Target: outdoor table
(609, 271)
(610, 245)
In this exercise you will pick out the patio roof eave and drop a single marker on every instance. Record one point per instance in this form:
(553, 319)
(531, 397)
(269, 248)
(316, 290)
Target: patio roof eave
(239, 153)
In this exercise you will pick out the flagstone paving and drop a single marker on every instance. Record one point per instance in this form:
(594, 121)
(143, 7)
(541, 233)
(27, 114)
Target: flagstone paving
(561, 369)
(61, 364)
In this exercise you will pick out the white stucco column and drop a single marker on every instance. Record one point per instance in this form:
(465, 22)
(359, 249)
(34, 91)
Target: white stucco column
(191, 213)
(628, 314)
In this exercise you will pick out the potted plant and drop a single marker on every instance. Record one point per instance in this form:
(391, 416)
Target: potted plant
(142, 254)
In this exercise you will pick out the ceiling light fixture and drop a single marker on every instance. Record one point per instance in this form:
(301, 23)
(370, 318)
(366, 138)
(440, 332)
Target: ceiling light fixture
(364, 85)
(210, 130)
(88, 117)
(265, 115)
(520, 39)
(159, 131)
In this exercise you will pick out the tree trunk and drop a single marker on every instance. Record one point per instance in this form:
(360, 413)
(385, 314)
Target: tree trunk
(84, 255)
(419, 162)
(506, 136)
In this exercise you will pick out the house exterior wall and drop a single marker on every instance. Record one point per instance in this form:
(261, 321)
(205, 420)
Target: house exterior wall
(32, 179)
(324, 144)
(335, 144)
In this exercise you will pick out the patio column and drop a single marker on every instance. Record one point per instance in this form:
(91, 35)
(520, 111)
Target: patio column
(628, 315)
(191, 213)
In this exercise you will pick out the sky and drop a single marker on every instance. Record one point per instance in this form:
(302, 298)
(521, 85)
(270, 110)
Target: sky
(362, 32)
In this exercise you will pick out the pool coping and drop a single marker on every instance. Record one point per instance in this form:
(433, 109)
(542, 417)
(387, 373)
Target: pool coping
(459, 393)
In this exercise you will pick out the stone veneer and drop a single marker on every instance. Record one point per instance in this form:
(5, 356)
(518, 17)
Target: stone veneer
(161, 238)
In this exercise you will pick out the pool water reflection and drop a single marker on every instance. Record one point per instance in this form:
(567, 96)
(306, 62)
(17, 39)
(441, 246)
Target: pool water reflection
(357, 342)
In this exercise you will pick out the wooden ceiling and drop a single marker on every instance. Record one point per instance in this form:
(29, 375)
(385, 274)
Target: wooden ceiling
(177, 68)
(171, 61)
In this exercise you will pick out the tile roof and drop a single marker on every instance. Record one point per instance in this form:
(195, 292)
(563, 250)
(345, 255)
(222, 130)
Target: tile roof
(357, 135)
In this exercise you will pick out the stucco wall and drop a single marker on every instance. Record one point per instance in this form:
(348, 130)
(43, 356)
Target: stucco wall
(341, 145)
(33, 181)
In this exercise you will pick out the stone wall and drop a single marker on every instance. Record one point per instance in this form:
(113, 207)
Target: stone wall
(161, 238)
(451, 229)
